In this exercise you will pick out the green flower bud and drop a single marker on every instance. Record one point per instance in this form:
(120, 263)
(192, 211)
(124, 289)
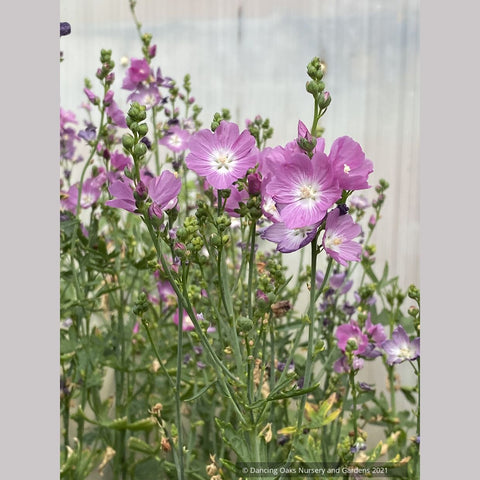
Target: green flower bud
(413, 311)
(128, 141)
(312, 88)
(244, 324)
(351, 345)
(225, 239)
(140, 150)
(414, 293)
(142, 129)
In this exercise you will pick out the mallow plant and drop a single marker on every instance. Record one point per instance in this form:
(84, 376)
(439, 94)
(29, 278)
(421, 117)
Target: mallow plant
(189, 349)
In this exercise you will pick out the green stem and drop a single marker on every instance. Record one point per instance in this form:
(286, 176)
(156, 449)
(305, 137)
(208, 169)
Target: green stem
(251, 267)
(178, 382)
(351, 378)
(184, 300)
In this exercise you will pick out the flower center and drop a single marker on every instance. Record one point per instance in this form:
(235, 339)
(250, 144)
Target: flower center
(308, 191)
(223, 160)
(406, 352)
(175, 140)
(333, 242)
(346, 168)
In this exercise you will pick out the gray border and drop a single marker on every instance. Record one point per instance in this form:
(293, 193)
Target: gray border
(29, 241)
(449, 239)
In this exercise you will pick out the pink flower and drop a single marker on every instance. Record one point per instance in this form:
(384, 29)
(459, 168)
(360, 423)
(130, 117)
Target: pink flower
(338, 238)
(164, 190)
(351, 333)
(223, 156)
(349, 164)
(233, 201)
(90, 194)
(304, 190)
(342, 366)
(175, 139)
(138, 71)
(187, 324)
(124, 196)
(119, 161)
(114, 111)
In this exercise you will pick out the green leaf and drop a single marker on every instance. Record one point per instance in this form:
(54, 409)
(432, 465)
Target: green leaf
(145, 424)
(201, 392)
(138, 445)
(233, 439)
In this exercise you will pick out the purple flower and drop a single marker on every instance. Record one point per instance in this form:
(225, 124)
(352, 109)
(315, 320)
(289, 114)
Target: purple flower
(350, 333)
(119, 161)
(342, 366)
(138, 71)
(164, 190)
(143, 83)
(359, 201)
(340, 230)
(289, 239)
(233, 201)
(304, 189)
(349, 164)
(91, 96)
(147, 95)
(114, 111)
(375, 331)
(124, 196)
(68, 136)
(175, 139)
(88, 134)
(223, 156)
(90, 194)
(400, 347)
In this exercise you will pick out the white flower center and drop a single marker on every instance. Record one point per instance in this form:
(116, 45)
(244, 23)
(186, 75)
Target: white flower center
(223, 160)
(175, 140)
(333, 242)
(149, 100)
(308, 191)
(87, 199)
(346, 168)
(406, 352)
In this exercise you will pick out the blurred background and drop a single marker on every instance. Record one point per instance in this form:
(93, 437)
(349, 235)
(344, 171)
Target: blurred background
(251, 57)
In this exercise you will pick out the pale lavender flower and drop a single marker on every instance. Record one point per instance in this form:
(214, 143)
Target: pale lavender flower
(176, 139)
(289, 239)
(400, 347)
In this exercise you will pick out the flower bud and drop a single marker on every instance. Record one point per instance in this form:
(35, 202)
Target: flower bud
(141, 191)
(244, 324)
(65, 29)
(128, 141)
(254, 183)
(142, 129)
(140, 150)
